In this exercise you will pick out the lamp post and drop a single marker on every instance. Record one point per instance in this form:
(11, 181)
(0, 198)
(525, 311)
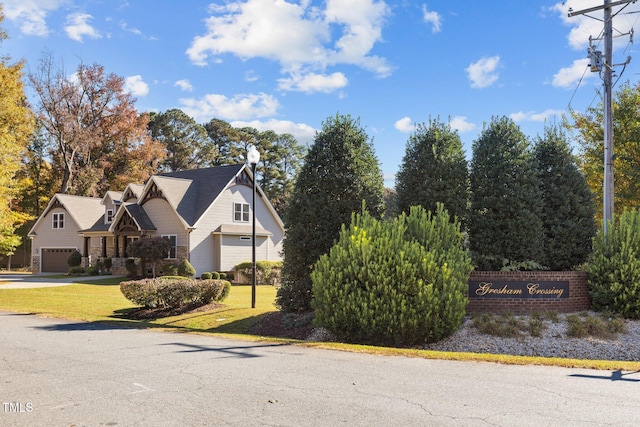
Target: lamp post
(253, 156)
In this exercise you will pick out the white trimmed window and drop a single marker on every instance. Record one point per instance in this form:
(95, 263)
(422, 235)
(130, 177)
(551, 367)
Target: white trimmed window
(173, 250)
(58, 220)
(109, 216)
(241, 212)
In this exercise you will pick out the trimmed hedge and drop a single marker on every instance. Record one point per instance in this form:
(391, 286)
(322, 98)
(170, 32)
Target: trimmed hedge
(267, 272)
(165, 292)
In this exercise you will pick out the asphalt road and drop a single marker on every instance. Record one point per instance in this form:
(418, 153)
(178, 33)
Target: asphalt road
(60, 373)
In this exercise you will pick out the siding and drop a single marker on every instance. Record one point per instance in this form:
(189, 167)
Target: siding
(66, 237)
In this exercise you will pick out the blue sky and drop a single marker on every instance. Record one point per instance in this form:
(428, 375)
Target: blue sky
(288, 65)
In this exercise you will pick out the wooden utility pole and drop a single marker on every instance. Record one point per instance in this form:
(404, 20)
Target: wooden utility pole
(607, 73)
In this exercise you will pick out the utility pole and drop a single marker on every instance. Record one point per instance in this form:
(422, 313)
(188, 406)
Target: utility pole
(607, 73)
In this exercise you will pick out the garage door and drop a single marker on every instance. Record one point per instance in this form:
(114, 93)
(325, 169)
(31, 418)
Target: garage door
(55, 260)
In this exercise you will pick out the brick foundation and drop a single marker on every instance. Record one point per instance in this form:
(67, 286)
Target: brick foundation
(578, 299)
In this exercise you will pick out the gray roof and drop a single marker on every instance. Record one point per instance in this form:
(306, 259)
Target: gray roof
(140, 216)
(194, 195)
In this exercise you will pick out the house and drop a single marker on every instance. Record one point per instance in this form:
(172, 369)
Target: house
(205, 213)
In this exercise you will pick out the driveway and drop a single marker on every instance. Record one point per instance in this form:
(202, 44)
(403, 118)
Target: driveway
(56, 372)
(20, 281)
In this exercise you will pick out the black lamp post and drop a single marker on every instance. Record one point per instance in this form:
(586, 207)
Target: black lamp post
(253, 156)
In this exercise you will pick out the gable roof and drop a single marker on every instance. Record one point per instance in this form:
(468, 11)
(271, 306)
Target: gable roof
(192, 191)
(84, 211)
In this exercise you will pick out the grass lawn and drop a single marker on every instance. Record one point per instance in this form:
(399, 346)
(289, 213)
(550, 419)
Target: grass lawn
(102, 301)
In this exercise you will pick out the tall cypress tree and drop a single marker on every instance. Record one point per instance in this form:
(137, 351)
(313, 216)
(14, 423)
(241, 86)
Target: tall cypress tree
(568, 214)
(504, 222)
(434, 170)
(339, 173)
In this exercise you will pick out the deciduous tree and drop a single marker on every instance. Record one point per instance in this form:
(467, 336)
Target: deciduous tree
(16, 125)
(96, 136)
(626, 150)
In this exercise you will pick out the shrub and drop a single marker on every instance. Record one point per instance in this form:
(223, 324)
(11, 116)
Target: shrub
(166, 292)
(267, 272)
(132, 268)
(75, 259)
(614, 267)
(217, 275)
(400, 282)
(170, 270)
(108, 263)
(77, 270)
(206, 276)
(185, 269)
(93, 270)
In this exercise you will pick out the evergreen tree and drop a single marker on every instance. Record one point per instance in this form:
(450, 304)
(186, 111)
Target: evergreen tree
(340, 172)
(504, 221)
(434, 170)
(568, 205)
(186, 142)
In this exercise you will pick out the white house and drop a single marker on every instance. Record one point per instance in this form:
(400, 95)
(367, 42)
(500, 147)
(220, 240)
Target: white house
(205, 213)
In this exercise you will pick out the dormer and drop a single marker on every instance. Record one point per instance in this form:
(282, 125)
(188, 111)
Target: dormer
(111, 202)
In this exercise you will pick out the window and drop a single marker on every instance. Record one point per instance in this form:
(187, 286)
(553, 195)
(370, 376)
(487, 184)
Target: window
(109, 216)
(174, 245)
(241, 212)
(58, 220)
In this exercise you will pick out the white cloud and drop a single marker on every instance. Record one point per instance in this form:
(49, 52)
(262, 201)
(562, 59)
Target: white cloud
(404, 125)
(31, 14)
(184, 84)
(532, 116)
(461, 124)
(302, 38)
(77, 27)
(136, 86)
(310, 83)
(584, 26)
(482, 73)
(432, 18)
(302, 132)
(568, 77)
(238, 107)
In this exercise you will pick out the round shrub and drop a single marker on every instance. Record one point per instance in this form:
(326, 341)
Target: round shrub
(168, 292)
(614, 267)
(93, 271)
(222, 276)
(76, 271)
(206, 276)
(400, 282)
(186, 269)
(75, 259)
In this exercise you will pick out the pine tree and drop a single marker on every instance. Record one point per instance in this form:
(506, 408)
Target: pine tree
(568, 213)
(340, 172)
(434, 170)
(504, 221)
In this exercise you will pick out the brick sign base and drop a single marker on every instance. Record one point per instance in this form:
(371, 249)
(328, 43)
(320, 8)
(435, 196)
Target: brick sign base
(503, 297)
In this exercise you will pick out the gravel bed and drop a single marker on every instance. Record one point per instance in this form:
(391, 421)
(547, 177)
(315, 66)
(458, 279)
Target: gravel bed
(552, 342)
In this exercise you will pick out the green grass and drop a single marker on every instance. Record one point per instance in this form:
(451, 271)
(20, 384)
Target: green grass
(101, 301)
